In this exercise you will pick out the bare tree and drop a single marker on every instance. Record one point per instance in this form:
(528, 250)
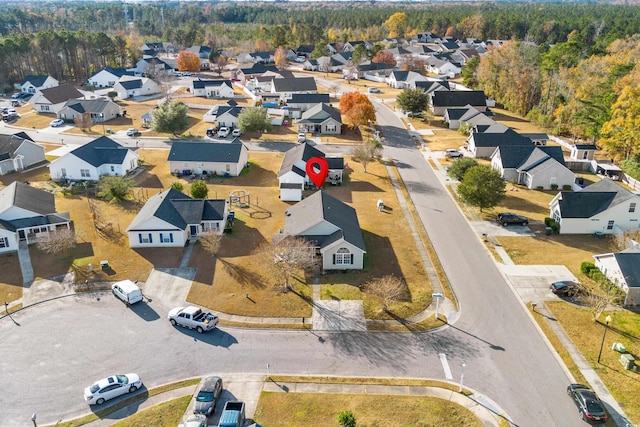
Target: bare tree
(390, 288)
(599, 300)
(221, 62)
(286, 255)
(211, 241)
(366, 153)
(57, 242)
(83, 121)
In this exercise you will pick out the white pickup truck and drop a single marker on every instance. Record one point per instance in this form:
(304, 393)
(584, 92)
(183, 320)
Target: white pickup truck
(193, 318)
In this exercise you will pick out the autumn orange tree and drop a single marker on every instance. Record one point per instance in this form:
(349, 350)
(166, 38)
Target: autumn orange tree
(188, 61)
(384, 57)
(280, 58)
(357, 109)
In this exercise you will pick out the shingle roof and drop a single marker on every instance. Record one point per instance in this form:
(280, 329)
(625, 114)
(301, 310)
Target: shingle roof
(179, 210)
(295, 84)
(61, 93)
(26, 197)
(525, 157)
(228, 109)
(118, 72)
(88, 105)
(201, 84)
(206, 152)
(258, 68)
(9, 144)
(321, 207)
(593, 199)
(308, 98)
(131, 84)
(510, 137)
(400, 76)
(302, 152)
(459, 98)
(320, 113)
(430, 86)
(37, 81)
(629, 263)
(101, 151)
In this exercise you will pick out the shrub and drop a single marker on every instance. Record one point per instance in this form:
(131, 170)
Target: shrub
(540, 188)
(547, 221)
(347, 419)
(566, 187)
(586, 267)
(554, 186)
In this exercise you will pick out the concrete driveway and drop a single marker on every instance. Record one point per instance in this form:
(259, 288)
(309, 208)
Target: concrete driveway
(169, 285)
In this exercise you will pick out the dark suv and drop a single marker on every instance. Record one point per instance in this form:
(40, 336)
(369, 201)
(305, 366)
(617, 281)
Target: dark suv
(508, 218)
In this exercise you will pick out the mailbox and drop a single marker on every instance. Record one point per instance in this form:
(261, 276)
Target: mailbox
(627, 361)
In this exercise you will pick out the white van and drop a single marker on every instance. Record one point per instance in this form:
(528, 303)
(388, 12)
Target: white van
(127, 291)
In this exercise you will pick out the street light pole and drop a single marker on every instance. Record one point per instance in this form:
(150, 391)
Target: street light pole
(461, 378)
(604, 334)
(33, 418)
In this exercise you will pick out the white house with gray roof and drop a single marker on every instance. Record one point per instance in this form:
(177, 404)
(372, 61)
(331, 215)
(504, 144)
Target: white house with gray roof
(100, 110)
(18, 153)
(603, 207)
(213, 88)
(89, 162)
(108, 76)
(623, 269)
(130, 86)
(171, 219)
(27, 213)
(211, 158)
(32, 84)
(286, 87)
(321, 118)
(52, 100)
(332, 226)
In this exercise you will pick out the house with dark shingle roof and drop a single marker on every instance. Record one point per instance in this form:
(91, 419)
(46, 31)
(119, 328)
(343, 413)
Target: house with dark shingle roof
(292, 176)
(244, 73)
(623, 269)
(226, 115)
(203, 52)
(171, 219)
(108, 76)
(130, 86)
(603, 207)
(466, 115)
(213, 88)
(532, 166)
(482, 144)
(100, 110)
(32, 84)
(27, 213)
(18, 153)
(89, 162)
(52, 100)
(441, 100)
(286, 87)
(321, 118)
(332, 226)
(304, 101)
(211, 158)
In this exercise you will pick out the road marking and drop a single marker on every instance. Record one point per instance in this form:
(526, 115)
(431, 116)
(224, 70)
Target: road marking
(445, 366)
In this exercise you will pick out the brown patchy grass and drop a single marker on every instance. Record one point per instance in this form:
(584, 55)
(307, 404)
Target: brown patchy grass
(11, 279)
(587, 335)
(165, 414)
(322, 409)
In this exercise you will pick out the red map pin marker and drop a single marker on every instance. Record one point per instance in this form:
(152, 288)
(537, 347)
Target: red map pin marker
(317, 170)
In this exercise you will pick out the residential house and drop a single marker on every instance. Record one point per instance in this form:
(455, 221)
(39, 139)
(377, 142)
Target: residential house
(100, 110)
(305, 50)
(203, 52)
(467, 115)
(321, 118)
(213, 88)
(532, 166)
(89, 162)
(292, 176)
(27, 214)
(443, 67)
(537, 138)
(447, 45)
(108, 76)
(210, 158)
(171, 219)
(330, 64)
(289, 86)
(304, 101)
(583, 152)
(351, 45)
(482, 144)
(334, 48)
(131, 86)
(152, 67)
(441, 100)
(602, 208)
(623, 269)
(397, 79)
(157, 47)
(33, 84)
(462, 56)
(377, 70)
(431, 85)
(17, 153)
(52, 100)
(427, 37)
(332, 226)
(243, 74)
(227, 116)
(310, 65)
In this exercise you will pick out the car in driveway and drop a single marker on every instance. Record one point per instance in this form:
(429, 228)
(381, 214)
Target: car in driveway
(236, 132)
(133, 132)
(508, 218)
(57, 122)
(565, 288)
(211, 132)
(373, 90)
(195, 421)
(208, 395)
(589, 405)
(452, 153)
(111, 387)
(223, 132)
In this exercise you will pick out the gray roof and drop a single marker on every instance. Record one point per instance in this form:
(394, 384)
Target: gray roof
(525, 157)
(459, 98)
(28, 198)
(593, 199)
(89, 105)
(258, 68)
(37, 81)
(210, 152)
(400, 76)
(510, 137)
(295, 85)
(101, 151)
(321, 207)
(308, 98)
(62, 93)
(201, 84)
(319, 113)
(629, 263)
(179, 210)
(119, 72)
(131, 84)
(430, 86)
(536, 136)
(224, 109)
(9, 144)
(456, 113)
(302, 152)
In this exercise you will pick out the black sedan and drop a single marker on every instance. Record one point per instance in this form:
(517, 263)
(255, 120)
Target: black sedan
(589, 405)
(565, 288)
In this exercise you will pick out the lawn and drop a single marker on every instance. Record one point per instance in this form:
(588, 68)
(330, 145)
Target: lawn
(166, 414)
(322, 409)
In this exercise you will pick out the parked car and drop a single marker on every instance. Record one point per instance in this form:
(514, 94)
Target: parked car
(507, 218)
(565, 287)
(208, 395)
(223, 132)
(127, 291)
(193, 318)
(302, 137)
(186, 73)
(195, 421)
(133, 132)
(211, 131)
(588, 403)
(452, 153)
(417, 114)
(57, 122)
(373, 90)
(16, 95)
(236, 132)
(111, 387)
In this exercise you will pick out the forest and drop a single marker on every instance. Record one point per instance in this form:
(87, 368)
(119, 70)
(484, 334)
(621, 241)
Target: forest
(572, 68)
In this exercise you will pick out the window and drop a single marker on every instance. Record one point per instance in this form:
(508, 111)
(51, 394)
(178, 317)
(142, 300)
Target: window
(84, 173)
(632, 207)
(113, 168)
(44, 108)
(610, 225)
(145, 238)
(166, 238)
(343, 257)
(4, 242)
(227, 168)
(63, 172)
